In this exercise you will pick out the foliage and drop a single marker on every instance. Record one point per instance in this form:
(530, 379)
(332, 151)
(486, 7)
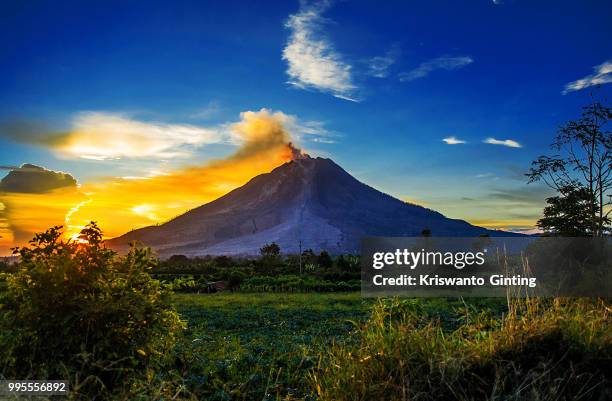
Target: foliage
(185, 283)
(6, 267)
(319, 272)
(325, 260)
(293, 283)
(260, 346)
(270, 250)
(76, 311)
(264, 346)
(581, 167)
(568, 214)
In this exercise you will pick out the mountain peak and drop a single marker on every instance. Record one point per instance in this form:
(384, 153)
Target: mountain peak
(306, 203)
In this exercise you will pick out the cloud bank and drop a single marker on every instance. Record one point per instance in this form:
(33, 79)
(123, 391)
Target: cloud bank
(313, 63)
(602, 75)
(440, 63)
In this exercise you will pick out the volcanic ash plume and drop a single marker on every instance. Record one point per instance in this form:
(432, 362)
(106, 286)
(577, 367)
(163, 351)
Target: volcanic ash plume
(263, 131)
(297, 153)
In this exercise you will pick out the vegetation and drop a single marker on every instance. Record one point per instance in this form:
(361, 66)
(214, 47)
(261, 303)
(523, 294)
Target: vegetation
(271, 272)
(270, 250)
(260, 346)
(294, 283)
(569, 214)
(75, 311)
(539, 350)
(581, 173)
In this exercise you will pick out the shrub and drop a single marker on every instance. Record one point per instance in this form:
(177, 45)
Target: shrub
(76, 311)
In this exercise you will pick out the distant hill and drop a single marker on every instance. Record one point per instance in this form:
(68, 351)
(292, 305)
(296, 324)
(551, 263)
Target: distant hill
(307, 201)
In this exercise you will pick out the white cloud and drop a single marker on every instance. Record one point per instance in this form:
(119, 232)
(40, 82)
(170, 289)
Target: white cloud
(313, 63)
(602, 75)
(379, 66)
(452, 140)
(102, 135)
(506, 142)
(439, 63)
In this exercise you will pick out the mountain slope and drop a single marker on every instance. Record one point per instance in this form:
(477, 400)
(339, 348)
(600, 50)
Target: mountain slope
(311, 201)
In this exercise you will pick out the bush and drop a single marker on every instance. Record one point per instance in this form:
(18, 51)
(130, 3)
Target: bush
(76, 311)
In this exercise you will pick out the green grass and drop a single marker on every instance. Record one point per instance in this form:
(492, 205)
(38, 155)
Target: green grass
(265, 346)
(261, 346)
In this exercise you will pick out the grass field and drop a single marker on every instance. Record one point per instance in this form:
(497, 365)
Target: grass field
(263, 346)
(260, 346)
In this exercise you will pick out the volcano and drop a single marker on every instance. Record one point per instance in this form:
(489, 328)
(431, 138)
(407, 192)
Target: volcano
(307, 203)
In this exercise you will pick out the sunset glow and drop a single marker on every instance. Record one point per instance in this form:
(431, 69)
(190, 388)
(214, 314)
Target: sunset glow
(122, 204)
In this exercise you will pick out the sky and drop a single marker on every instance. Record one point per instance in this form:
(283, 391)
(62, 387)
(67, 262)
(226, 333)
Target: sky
(134, 112)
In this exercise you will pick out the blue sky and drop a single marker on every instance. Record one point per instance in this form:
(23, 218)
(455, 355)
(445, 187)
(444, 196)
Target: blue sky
(375, 86)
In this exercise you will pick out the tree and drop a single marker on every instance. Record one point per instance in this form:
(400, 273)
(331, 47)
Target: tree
(569, 214)
(349, 263)
(270, 250)
(324, 260)
(582, 162)
(223, 261)
(6, 267)
(270, 258)
(178, 260)
(308, 256)
(77, 311)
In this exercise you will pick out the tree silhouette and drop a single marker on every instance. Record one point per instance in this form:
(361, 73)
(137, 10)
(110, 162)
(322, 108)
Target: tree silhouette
(580, 170)
(325, 260)
(270, 250)
(568, 214)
